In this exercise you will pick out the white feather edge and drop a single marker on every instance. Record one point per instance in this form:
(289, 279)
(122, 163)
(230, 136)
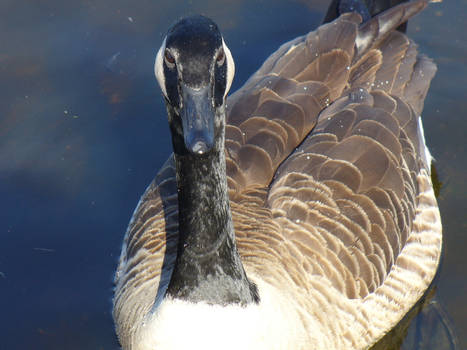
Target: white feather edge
(426, 155)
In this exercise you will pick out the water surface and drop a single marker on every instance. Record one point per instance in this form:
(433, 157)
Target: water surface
(83, 131)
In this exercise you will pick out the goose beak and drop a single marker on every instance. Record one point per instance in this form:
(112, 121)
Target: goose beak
(197, 116)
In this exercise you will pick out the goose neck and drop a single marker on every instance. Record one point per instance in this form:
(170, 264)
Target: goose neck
(204, 209)
(208, 267)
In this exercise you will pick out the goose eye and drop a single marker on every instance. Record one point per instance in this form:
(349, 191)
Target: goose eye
(220, 57)
(169, 59)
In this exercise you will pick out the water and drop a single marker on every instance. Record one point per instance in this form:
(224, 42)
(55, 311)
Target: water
(83, 130)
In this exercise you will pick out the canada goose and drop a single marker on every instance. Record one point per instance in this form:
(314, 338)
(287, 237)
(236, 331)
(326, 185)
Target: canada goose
(300, 213)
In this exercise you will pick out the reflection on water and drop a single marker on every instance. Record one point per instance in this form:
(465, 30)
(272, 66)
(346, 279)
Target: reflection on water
(431, 330)
(83, 130)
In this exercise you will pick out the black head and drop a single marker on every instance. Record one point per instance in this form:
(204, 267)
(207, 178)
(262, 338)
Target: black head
(195, 69)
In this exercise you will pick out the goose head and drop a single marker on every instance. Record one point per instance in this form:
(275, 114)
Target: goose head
(195, 69)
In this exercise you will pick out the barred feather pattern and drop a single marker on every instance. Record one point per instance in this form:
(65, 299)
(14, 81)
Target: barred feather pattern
(329, 180)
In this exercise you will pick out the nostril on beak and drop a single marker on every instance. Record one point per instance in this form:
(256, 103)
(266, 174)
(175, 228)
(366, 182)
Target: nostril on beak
(200, 147)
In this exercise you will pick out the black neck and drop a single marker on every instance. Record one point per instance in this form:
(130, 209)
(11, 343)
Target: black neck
(208, 267)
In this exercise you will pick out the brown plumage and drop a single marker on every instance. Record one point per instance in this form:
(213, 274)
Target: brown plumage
(329, 184)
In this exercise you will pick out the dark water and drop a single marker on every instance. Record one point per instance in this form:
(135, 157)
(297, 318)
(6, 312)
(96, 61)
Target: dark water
(83, 131)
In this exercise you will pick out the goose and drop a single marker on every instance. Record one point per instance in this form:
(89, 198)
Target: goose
(297, 213)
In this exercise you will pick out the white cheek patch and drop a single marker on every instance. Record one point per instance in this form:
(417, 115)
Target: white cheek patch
(159, 68)
(230, 68)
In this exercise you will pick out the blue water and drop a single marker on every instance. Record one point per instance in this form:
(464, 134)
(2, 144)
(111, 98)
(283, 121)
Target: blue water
(83, 131)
